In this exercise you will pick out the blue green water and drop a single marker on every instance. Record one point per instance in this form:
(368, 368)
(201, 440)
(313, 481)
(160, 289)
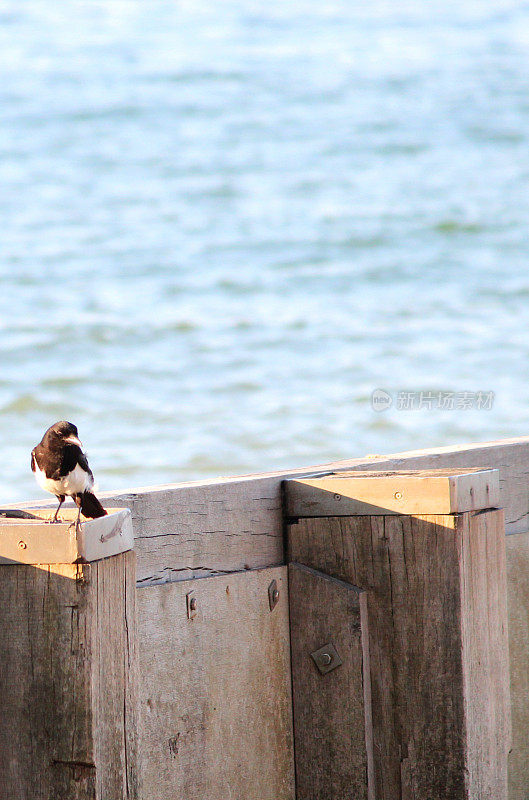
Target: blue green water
(223, 225)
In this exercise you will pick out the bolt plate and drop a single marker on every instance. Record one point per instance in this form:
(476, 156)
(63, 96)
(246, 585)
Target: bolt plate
(326, 658)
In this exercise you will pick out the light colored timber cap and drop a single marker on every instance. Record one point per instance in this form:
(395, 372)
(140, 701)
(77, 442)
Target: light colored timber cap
(38, 541)
(432, 491)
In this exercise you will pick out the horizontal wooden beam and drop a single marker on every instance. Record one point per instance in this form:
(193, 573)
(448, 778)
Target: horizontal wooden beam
(216, 526)
(351, 493)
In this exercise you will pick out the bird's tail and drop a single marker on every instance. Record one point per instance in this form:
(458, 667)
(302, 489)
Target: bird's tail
(90, 505)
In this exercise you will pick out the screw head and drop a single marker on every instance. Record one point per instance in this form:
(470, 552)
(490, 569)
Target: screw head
(22, 545)
(273, 595)
(337, 496)
(398, 495)
(326, 658)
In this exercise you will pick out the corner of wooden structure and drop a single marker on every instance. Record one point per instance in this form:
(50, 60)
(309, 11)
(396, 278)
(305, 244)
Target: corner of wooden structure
(429, 551)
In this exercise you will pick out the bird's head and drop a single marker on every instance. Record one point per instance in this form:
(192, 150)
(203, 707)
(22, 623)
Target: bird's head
(65, 432)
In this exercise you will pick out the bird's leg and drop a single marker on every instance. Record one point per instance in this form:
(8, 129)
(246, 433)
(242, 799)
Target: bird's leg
(77, 499)
(62, 498)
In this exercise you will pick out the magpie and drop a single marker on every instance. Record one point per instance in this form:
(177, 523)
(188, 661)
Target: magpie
(60, 467)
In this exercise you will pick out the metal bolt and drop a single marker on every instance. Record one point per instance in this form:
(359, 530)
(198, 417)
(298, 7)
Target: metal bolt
(22, 545)
(273, 595)
(398, 495)
(326, 658)
(337, 496)
(191, 605)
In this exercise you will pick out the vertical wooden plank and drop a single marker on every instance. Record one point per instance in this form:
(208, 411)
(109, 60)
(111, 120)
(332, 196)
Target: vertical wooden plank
(61, 644)
(216, 706)
(485, 653)
(332, 728)
(518, 604)
(115, 678)
(434, 613)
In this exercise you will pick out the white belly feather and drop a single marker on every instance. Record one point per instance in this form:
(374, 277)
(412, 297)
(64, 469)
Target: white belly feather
(75, 482)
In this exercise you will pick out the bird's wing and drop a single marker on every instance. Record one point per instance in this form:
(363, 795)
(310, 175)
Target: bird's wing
(83, 462)
(45, 462)
(71, 457)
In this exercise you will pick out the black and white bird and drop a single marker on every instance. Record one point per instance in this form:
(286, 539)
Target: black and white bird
(60, 467)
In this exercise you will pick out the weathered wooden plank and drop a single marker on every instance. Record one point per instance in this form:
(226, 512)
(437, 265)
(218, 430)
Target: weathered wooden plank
(216, 717)
(37, 541)
(115, 678)
(67, 727)
(440, 491)
(234, 524)
(518, 606)
(332, 711)
(485, 653)
(430, 623)
(205, 530)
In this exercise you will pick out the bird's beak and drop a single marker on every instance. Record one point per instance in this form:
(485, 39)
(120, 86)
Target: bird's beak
(74, 440)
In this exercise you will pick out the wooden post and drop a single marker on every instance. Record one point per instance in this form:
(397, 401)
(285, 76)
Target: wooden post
(67, 668)
(437, 624)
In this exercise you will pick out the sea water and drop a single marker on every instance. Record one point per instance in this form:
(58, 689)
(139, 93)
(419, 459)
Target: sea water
(224, 225)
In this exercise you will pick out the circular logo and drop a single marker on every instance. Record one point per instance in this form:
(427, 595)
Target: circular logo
(381, 400)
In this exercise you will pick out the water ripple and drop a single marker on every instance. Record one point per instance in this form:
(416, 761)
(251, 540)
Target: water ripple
(222, 231)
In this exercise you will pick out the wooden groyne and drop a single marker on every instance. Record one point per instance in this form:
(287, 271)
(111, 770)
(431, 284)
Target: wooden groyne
(313, 634)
